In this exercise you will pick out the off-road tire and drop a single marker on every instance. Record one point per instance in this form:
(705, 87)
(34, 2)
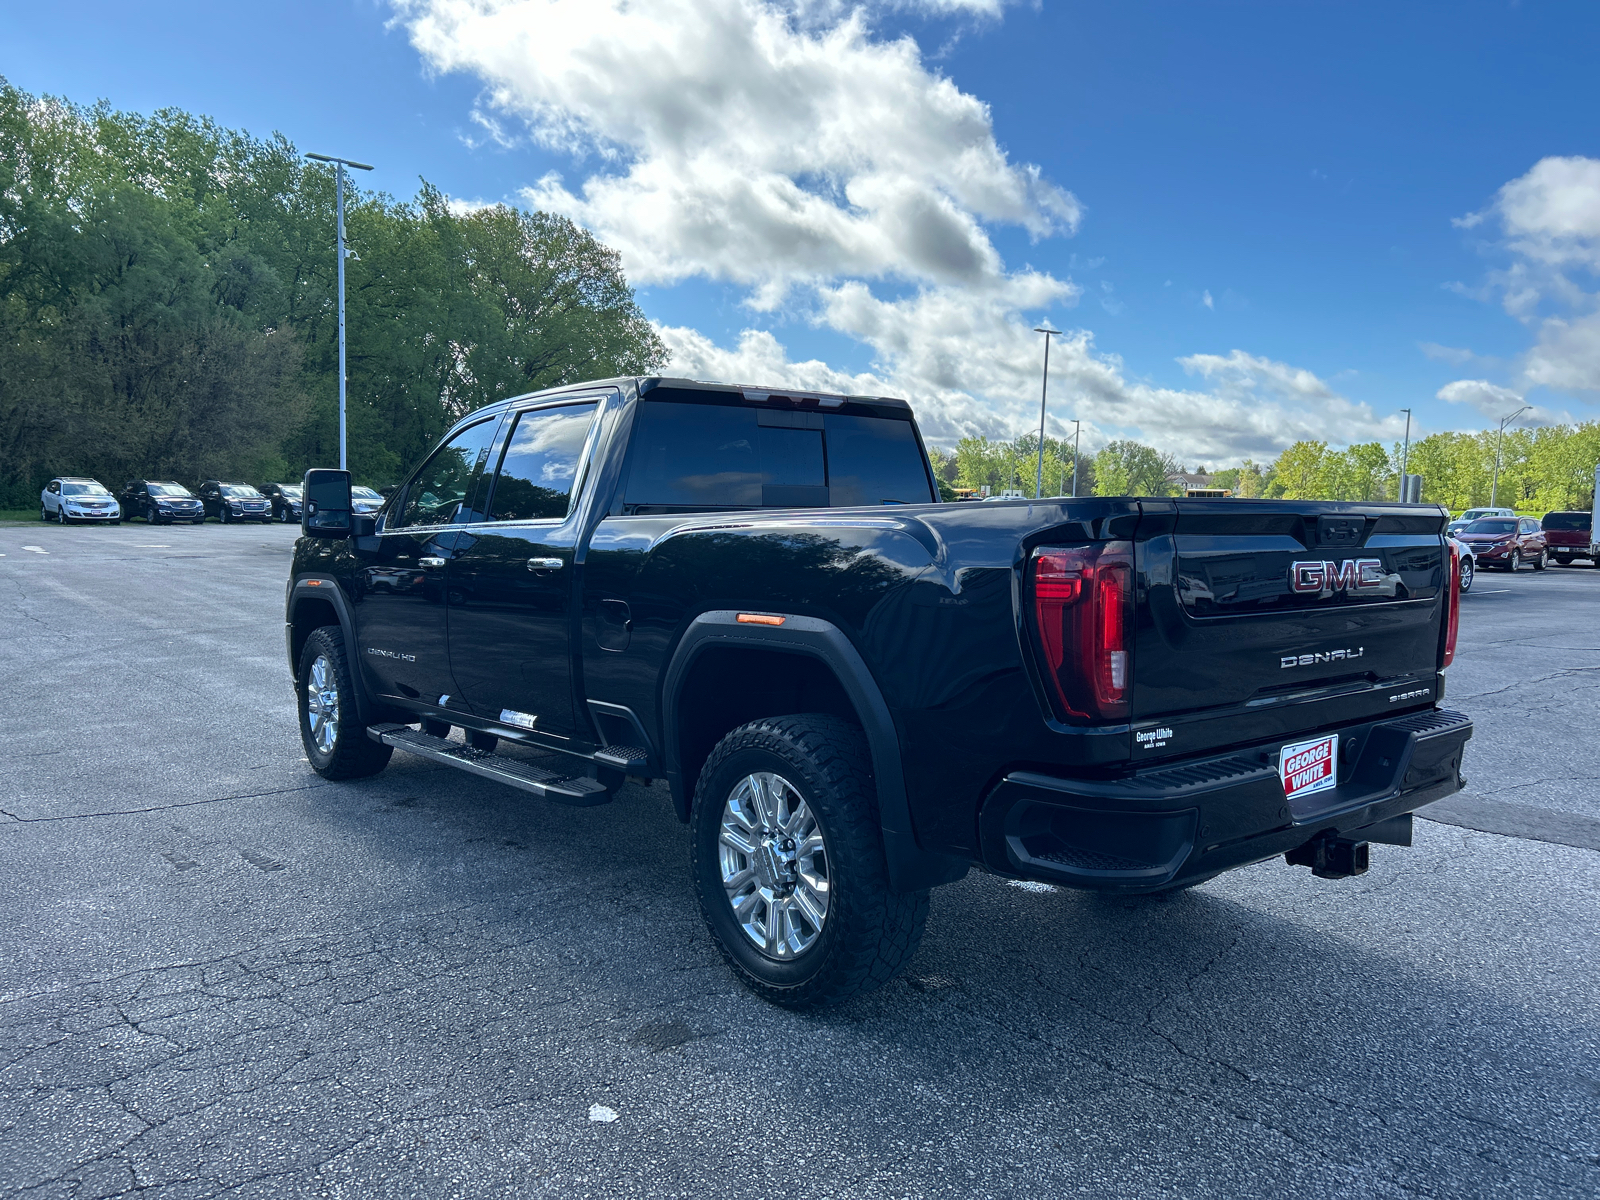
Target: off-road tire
(353, 754)
(870, 932)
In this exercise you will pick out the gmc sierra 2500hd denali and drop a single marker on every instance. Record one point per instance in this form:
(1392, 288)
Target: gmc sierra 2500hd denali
(854, 692)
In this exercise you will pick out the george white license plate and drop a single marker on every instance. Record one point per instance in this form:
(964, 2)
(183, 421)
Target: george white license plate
(1309, 767)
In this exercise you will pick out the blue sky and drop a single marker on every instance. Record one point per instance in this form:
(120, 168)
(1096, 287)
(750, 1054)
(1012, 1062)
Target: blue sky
(1258, 221)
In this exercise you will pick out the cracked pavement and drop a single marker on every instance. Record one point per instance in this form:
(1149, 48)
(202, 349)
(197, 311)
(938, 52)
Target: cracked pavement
(221, 975)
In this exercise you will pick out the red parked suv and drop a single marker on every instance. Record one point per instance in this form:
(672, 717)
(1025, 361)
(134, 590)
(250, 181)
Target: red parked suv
(1507, 542)
(1568, 535)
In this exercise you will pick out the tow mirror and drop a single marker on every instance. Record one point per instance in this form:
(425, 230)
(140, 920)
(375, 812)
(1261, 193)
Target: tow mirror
(327, 511)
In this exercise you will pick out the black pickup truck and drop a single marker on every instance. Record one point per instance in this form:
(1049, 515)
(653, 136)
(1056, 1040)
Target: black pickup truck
(853, 692)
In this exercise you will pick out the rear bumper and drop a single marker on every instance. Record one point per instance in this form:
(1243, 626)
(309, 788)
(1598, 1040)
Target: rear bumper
(1189, 820)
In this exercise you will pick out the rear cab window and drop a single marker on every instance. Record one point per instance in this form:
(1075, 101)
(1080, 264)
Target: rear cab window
(704, 455)
(1568, 522)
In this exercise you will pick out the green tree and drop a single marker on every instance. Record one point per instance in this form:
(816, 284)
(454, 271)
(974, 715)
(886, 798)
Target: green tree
(1128, 468)
(1301, 472)
(167, 305)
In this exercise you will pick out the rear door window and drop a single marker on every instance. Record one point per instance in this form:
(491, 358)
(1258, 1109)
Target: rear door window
(539, 468)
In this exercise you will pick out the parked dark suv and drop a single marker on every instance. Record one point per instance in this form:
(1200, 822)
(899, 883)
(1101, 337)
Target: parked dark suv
(1568, 535)
(1507, 542)
(160, 502)
(230, 502)
(285, 501)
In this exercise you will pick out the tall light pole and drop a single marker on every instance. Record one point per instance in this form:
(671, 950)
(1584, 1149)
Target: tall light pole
(1044, 391)
(339, 165)
(1405, 455)
(1494, 488)
(1077, 435)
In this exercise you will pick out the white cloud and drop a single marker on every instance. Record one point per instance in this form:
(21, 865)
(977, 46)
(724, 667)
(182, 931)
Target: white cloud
(1549, 221)
(465, 208)
(974, 368)
(1490, 399)
(1567, 355)
(1208, 301)
(743, 143)
(781, 146)
(1552, 213)
(1449, 354)
(1495, 402)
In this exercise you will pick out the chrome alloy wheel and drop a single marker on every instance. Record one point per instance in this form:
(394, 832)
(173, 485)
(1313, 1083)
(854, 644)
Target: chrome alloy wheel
(774, 865)
(322, 704)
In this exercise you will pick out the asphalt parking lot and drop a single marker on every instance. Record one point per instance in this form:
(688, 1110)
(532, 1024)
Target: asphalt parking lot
(220, 975)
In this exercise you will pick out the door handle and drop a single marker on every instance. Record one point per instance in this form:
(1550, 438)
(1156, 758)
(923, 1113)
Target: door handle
(545, 564)
(430, 561)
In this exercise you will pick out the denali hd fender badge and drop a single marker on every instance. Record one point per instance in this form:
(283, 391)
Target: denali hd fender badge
(391, 654)
(1361, 576)
(522, 720)
(1324, 656)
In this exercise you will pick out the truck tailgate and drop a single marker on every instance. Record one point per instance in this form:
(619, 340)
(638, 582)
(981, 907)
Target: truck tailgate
(1269, 619)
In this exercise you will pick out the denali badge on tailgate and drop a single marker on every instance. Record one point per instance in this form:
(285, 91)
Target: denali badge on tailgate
(1307, 767)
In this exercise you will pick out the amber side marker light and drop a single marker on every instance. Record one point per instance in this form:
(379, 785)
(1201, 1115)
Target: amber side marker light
(758, 619)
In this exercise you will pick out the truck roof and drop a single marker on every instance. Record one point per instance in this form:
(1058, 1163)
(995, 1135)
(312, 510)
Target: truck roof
(643, 384)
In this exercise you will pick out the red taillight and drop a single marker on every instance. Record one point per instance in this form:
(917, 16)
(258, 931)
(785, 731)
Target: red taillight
(1081, 597)
(1452, 620)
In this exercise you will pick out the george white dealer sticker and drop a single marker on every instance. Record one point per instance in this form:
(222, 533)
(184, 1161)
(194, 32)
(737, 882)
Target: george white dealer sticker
(1307, 767)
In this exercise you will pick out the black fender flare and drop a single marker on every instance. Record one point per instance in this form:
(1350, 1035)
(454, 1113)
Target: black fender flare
(322, 588)
(911, 868)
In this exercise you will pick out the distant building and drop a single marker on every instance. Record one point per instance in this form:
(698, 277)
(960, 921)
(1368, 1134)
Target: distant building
(1189, 484)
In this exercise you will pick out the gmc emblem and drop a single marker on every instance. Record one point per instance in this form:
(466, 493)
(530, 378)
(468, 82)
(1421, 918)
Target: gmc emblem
(1364, 576)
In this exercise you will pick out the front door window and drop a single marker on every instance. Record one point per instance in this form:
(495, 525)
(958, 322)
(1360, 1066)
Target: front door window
(438, 494)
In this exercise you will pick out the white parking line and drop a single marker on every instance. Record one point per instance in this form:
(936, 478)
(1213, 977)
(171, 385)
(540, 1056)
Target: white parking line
(37, 549)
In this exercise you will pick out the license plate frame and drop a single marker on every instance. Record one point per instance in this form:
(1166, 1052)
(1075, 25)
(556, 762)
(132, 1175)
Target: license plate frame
(1308, 767)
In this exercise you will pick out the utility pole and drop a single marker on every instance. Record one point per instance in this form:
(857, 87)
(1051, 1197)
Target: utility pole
(1077, 435)
(1405, 456)
(339, 165)
(1494, 488)
(1044, 390)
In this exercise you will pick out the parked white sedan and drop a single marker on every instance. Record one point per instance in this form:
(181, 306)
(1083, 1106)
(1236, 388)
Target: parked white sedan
(72, 499)
(1469, 564)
